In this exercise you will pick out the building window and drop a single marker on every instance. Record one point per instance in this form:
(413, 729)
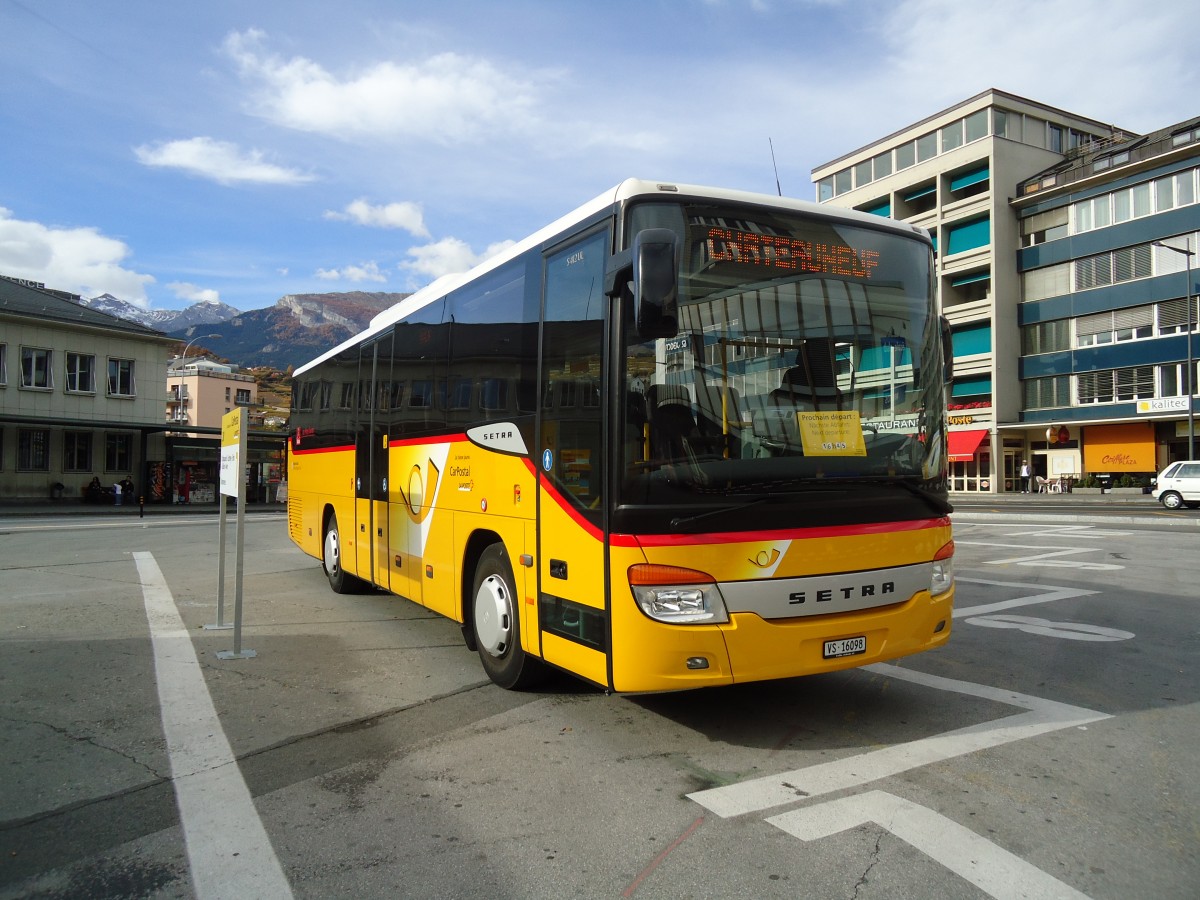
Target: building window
(969, 235)
(77, 451)
(1054, 138)
(1115, 326)
(842, 181)
(226, 395)
(1095, 387)
(862, 173)
(1135, 383)
(81, 373)
(327, 394)
(952, 135)
(1045, 226)
(906, 156)
(882, 164)
(972, 340)
(120, 378)
(3, 365)
(1051, 281)
(1173, 315)
(118, 452)
(970, 182)
(1047, 393)
(1046, 337)
(421, 394)
(927, 146)
(35, 368)
(1001, 123)
(976, 125)
(243, 398)
(825, 189)
(33, 450)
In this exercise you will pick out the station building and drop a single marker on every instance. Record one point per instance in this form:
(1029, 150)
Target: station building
(81, 396)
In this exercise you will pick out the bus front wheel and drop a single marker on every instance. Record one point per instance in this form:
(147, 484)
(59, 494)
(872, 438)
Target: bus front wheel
(331, 560)
(496, 623)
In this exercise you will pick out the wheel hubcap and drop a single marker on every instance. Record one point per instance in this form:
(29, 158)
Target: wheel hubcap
(493, 616)
(332, 553)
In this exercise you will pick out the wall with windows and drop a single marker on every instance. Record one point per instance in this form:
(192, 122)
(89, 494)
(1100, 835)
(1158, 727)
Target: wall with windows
(74, 402)
(953, 173)
(1105, 311)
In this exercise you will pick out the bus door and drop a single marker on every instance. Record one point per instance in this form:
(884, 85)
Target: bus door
(572, 588)
(370, 462)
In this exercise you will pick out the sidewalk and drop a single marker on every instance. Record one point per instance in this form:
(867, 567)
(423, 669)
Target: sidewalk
(65, 507)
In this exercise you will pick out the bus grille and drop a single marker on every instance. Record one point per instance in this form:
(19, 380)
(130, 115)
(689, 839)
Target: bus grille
(295, 518)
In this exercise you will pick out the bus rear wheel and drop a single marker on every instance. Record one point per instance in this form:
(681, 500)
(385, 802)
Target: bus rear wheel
(331, 561)
(496, 623)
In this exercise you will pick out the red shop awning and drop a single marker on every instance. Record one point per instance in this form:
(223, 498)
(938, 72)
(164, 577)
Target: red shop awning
(963, 444)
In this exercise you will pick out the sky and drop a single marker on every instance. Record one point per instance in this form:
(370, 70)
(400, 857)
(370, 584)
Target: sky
(173, 152)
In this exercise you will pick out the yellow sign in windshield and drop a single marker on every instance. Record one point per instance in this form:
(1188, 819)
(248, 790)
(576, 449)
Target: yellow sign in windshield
(831, 433)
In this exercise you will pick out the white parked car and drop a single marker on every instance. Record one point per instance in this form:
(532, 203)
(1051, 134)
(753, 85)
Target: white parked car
(1179, 485)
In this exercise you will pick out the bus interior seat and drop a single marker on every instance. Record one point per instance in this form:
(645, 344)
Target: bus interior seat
(673, 430)
(812, 383)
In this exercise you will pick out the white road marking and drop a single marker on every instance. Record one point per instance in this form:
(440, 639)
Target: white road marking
(229, 851)
(1072, 631)
(990, 868)
(1048, 558)
(1044, 595)
(1043, 717)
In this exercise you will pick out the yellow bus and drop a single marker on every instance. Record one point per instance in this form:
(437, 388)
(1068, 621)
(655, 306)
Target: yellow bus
(681, 437)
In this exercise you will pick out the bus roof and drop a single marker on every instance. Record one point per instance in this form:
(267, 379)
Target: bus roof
(627, 190)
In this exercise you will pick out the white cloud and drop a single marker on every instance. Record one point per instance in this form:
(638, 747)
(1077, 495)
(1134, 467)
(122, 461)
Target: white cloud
(404, 215)
(1120, 52)
(79, 260)
(368, 271)
(449, 256)
(219, 161)
(445, 98)
(185, 291)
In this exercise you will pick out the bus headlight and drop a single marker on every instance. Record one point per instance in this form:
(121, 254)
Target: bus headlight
(942, 578)
(677, 595)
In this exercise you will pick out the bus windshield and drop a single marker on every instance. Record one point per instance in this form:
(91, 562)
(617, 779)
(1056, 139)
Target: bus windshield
(807, 355)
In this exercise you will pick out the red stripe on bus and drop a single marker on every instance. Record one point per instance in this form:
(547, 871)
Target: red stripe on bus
(569, 508)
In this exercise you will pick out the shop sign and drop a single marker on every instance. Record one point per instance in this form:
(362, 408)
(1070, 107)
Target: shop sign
(1162, 405)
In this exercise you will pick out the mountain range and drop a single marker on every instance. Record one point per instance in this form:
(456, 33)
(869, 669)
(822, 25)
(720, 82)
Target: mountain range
(296, 329)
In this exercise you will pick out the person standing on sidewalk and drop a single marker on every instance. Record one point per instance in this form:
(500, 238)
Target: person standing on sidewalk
(1025, 476)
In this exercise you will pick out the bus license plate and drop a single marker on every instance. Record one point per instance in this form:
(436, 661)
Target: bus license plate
(845, 647)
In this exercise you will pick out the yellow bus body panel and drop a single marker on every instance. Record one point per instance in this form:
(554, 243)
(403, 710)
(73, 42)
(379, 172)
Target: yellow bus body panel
(652, 656)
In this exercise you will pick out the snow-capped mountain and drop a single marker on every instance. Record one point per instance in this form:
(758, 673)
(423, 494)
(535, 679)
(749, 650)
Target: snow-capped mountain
(206, 312)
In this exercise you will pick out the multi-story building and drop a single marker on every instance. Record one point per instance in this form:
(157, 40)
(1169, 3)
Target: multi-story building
(200, 392)
(81, 396)
(1109, 237)
(955, 173)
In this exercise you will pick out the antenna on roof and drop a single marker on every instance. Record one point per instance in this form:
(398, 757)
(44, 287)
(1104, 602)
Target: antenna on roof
(775, 167)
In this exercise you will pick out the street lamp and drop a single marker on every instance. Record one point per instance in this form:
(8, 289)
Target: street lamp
(1187, 255)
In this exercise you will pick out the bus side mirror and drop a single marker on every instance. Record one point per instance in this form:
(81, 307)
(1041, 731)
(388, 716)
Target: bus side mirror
(947, 351)
(656, 282)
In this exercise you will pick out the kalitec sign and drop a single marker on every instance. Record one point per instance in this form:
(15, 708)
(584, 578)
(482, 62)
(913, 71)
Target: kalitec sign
(1162, 404)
